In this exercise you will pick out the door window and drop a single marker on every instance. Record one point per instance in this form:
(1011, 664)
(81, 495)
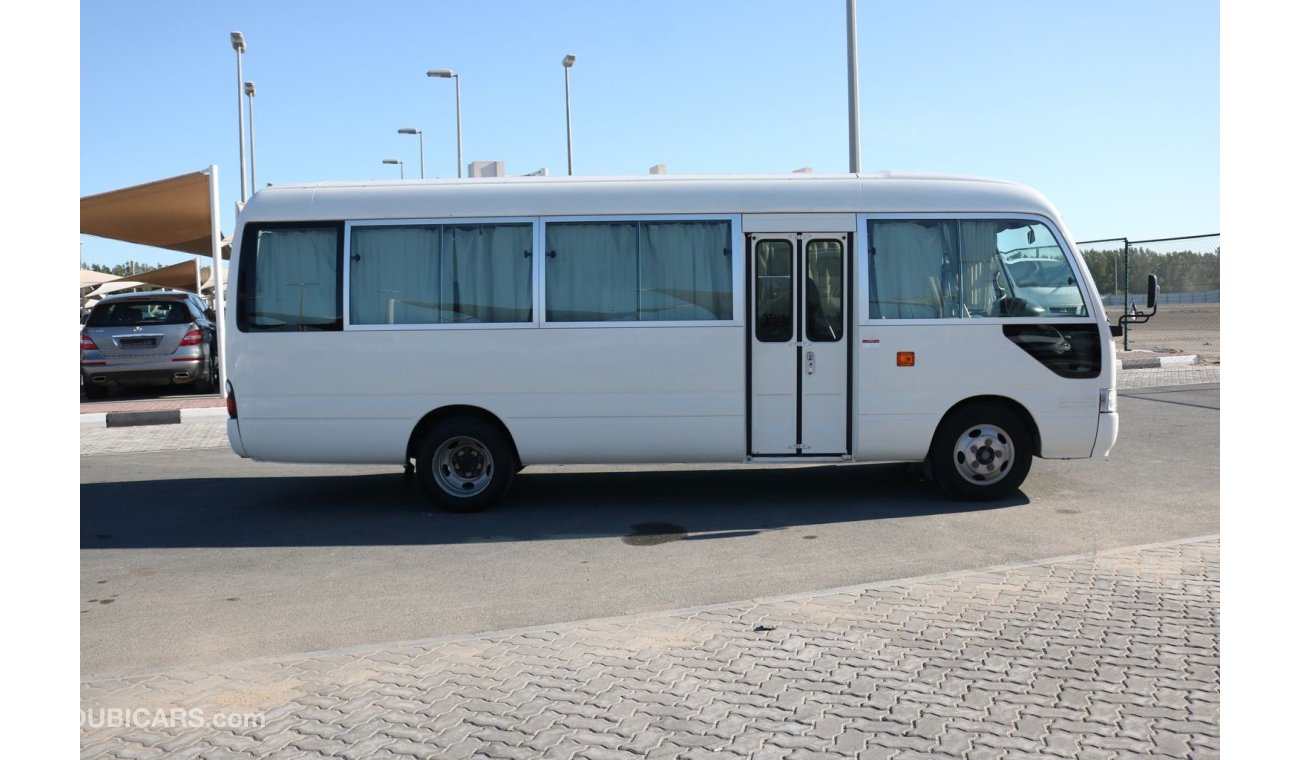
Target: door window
(774, 291)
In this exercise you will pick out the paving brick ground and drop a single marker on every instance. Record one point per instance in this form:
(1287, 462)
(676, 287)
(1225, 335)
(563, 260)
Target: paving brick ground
(200, 434)
(1108, 655)
(153, 404)
(1161, 376)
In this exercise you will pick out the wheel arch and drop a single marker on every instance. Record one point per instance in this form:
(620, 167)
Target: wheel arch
(457, 410)
(1014, 406)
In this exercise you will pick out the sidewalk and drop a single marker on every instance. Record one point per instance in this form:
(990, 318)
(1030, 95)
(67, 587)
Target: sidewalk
(1101, 655)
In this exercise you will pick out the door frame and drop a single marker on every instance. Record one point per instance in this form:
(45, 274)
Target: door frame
(849, 230)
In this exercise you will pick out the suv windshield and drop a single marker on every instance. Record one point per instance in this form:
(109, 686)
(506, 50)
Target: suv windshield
(132, 313)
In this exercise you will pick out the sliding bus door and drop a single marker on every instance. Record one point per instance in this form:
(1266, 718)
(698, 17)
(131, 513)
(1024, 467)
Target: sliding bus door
(799, 362)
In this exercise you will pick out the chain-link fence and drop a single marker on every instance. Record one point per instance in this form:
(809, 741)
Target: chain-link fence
(1187, 321)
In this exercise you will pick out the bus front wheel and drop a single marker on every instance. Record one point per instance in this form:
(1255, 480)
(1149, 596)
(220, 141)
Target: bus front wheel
(981, 452)
(464, 464)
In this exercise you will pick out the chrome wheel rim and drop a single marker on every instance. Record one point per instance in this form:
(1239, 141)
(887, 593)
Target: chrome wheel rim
(984, 454)
(463, 466)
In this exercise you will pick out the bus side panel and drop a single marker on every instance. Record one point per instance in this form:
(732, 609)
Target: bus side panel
(325, 441)
(566, 395)
(899, 407)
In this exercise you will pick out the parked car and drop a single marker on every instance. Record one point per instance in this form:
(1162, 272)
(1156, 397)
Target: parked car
(1047, 282)
(156, 338)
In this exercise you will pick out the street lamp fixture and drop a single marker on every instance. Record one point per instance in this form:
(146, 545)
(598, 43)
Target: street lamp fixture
(420, 132)
(237, 42)
(401, 168)
(567, 63)
(250, 90)
(449, 74)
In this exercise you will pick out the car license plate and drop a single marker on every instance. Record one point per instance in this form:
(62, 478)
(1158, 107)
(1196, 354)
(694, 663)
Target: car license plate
(138, 342)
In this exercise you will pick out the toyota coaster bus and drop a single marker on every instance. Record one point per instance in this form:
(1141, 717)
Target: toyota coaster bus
(465, 329)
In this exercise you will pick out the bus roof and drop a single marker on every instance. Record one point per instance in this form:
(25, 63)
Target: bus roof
(882, 192)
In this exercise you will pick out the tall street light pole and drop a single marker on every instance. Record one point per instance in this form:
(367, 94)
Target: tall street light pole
(420, 132)
(401, 169)
(250, 90)
(449, 74)
(855, 145)
(237, 42)
(567, 63)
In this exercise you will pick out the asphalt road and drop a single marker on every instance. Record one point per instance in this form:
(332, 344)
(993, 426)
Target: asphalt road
(195, 557)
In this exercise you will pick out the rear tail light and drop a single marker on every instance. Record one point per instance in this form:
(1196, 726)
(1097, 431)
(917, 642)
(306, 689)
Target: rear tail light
(230, 401)
(87, 344)
(192, 338)
(1107, 401)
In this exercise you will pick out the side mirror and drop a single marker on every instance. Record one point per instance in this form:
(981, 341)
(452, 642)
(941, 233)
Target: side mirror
(1140, 317)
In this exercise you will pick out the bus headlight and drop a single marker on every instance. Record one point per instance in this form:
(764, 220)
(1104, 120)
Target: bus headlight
(1107, 400)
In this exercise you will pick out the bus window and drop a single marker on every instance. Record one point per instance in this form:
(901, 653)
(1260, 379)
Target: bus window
(638, 271)
(289, 279)
(949, 269)
(440, 274)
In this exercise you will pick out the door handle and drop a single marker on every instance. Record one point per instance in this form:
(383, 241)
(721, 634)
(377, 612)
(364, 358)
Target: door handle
(812, 362)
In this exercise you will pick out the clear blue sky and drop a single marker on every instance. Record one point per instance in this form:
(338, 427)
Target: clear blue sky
(1110, 108)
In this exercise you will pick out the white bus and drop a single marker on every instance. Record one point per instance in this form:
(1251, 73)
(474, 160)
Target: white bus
(467, 329)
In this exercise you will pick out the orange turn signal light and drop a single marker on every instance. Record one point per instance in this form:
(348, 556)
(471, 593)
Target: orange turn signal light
(907, 358)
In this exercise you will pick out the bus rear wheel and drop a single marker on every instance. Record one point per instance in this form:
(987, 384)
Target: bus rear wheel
(465, 464)
(981, 452)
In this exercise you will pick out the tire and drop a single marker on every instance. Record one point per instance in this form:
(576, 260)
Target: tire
(465, 464)
(210, 384)
(95, 392)
(981, 452)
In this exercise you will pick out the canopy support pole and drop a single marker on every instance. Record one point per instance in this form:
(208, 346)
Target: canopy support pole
(219, 294)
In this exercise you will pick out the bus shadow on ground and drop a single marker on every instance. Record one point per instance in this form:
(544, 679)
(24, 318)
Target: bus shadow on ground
(381, 510)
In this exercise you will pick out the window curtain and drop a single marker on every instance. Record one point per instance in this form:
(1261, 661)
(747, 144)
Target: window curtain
(394, 276)
(440, 274)
(907, 270)
(296, 278)
(647, 271)
(486, 275)
(979, 266)
(593, 273)
(685, 272)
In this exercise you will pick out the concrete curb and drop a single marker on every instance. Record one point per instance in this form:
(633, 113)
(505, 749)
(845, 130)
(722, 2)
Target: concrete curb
(1156, 361)
(153, 417)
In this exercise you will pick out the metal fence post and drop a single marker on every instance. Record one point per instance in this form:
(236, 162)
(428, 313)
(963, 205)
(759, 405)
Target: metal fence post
(1126, 304)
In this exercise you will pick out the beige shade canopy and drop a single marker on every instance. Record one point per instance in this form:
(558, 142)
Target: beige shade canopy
(112, 287)
(174, 213)
(175, 277)
(91, 278)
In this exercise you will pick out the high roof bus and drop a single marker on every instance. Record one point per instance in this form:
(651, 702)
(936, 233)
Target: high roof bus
(466, 329)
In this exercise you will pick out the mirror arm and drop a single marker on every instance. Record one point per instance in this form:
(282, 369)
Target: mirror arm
(1140, 317)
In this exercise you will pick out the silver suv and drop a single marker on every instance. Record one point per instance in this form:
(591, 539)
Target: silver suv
(158, 338)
